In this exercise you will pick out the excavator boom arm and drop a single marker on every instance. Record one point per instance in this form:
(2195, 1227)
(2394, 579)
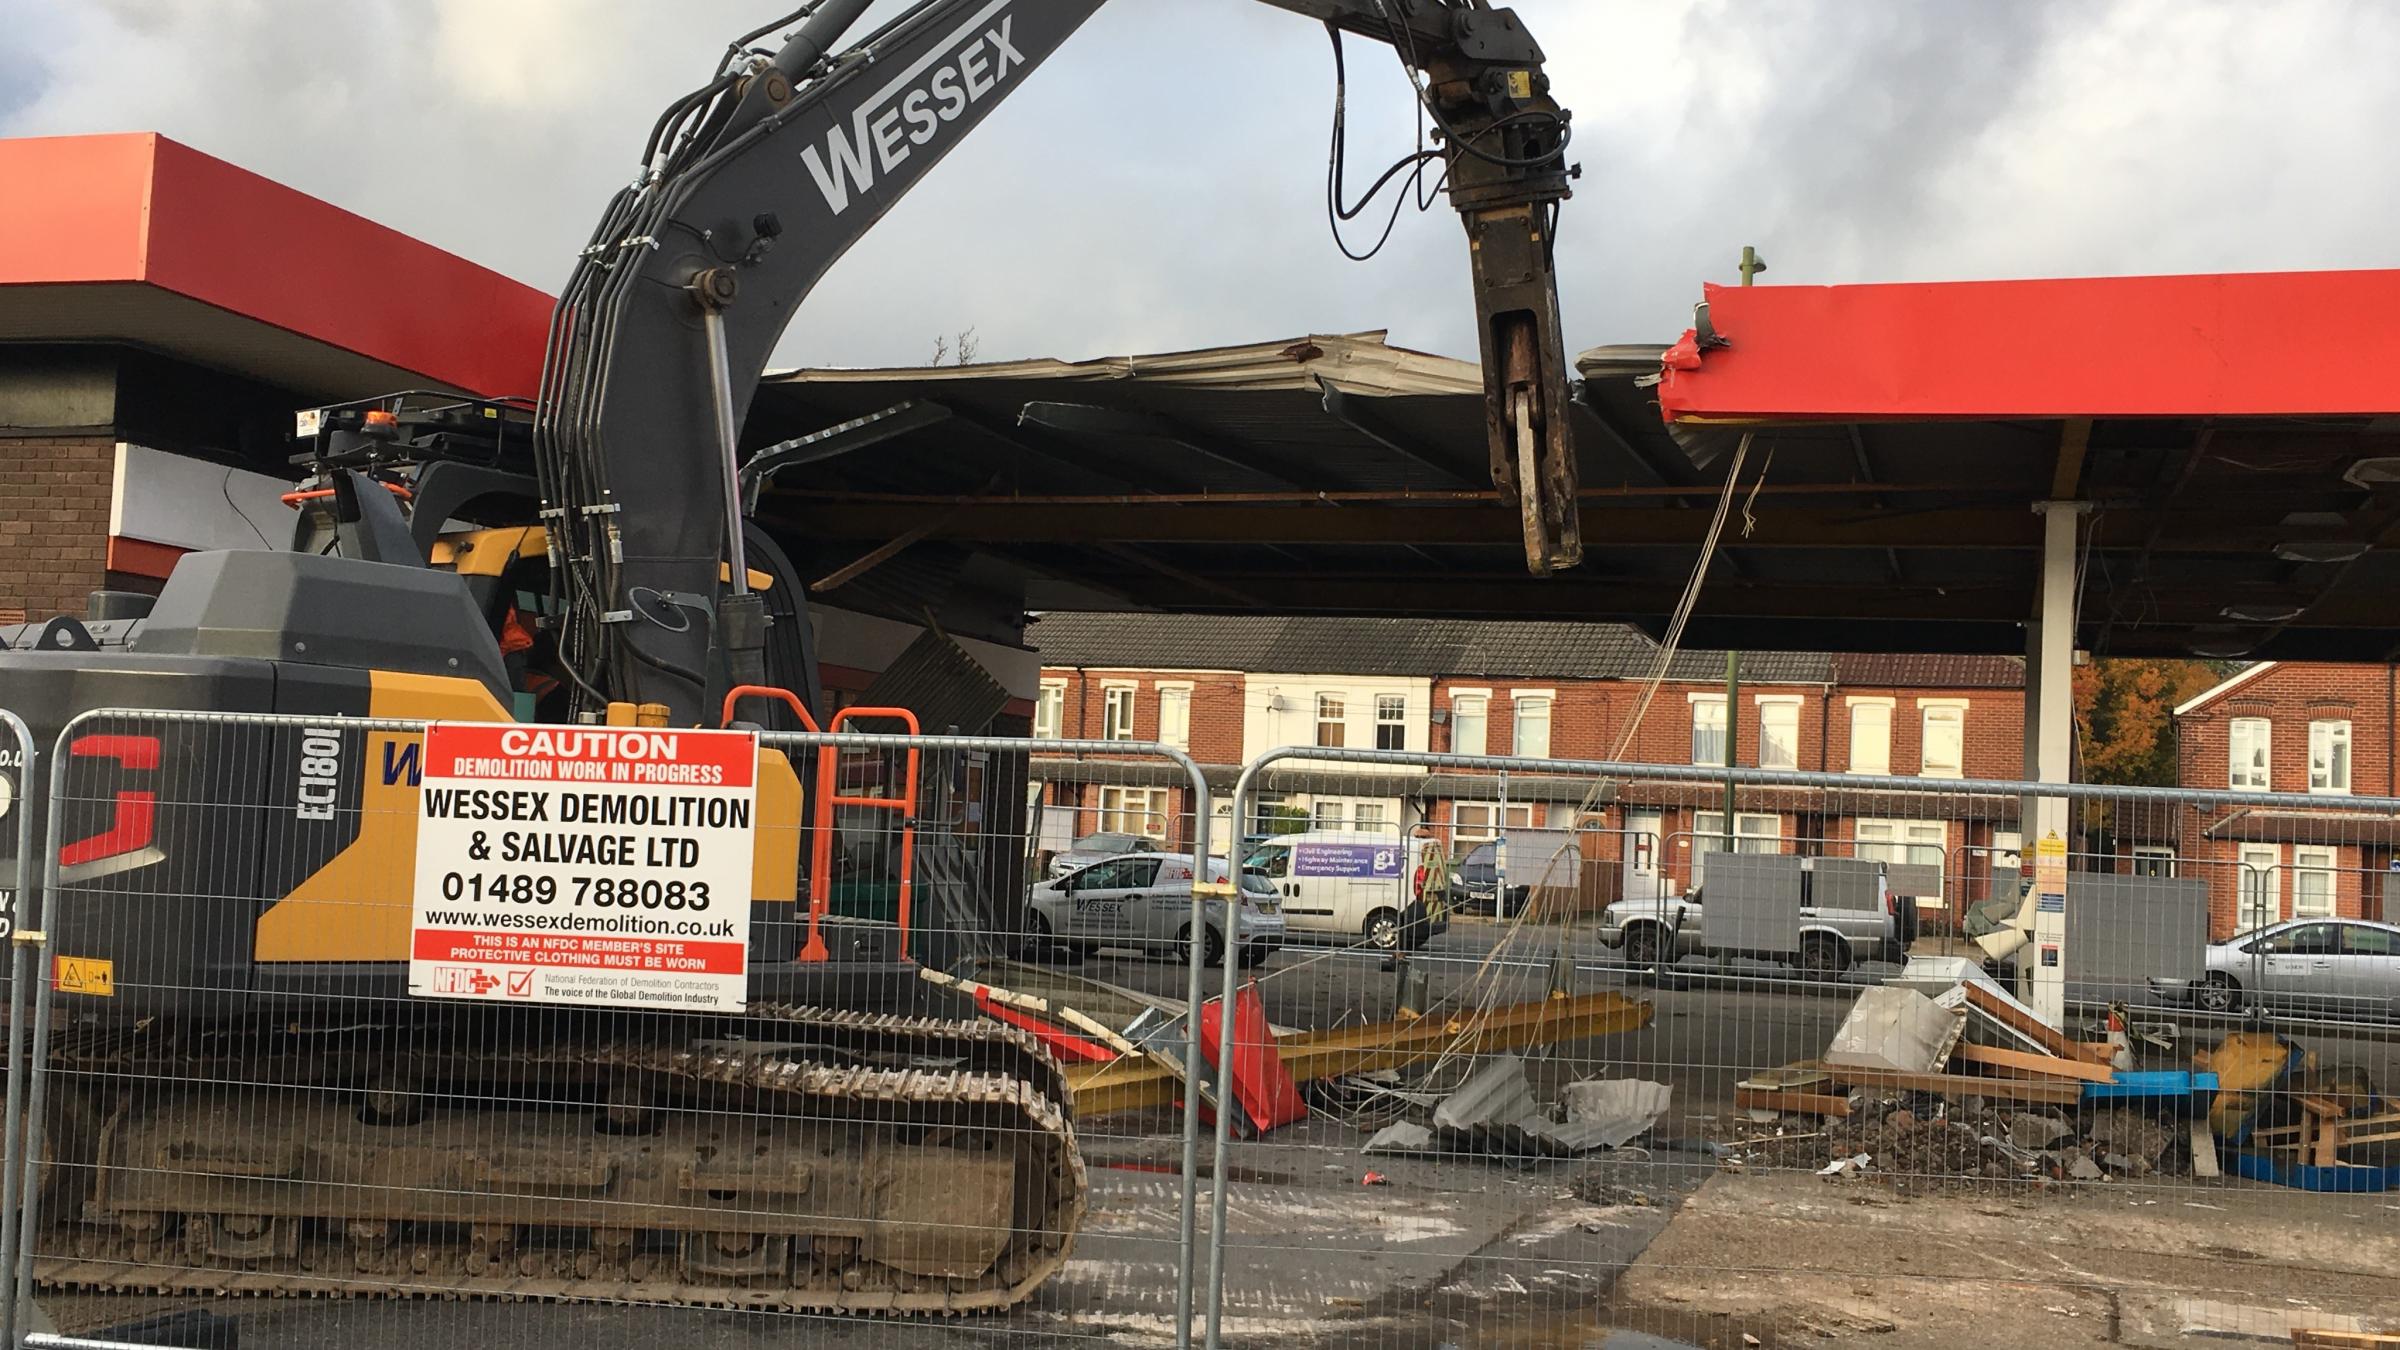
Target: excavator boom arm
(756, 183)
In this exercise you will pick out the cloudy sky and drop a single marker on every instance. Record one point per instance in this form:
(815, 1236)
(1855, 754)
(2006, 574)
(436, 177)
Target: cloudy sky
(1160, 183)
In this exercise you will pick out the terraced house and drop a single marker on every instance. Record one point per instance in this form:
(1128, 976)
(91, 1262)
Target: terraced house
(2320, 729)
(1228, 689)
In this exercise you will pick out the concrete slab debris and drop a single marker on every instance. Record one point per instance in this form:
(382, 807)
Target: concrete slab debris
(1938, 1269)
(2217, 1318)
(2035, 1131)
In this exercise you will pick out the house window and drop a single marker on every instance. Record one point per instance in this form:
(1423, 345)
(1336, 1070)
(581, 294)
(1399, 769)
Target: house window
(1467, 716)
(1116, 713)
(1141, 811)
(1945, 752)
(1331, 730)
(2149, 860)
(1533, 726)
(1752, 833)
(1391, 722)
(1272, 813)
(1871, 738)
(1779, 733)
(2329, 757)
(1175, 718)
(2252, 740)
(1329, 813)
(1901, 841)
(1368, 816)
(1473, 822)
(1049, 708)
(1761, 833)
(1708, 730)
(2312, 883)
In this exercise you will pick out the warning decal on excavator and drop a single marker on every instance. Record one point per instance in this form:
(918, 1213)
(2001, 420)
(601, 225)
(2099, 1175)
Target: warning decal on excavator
(595, 866)
(93, 975)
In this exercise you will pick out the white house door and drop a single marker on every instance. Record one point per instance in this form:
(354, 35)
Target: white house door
(1642, 853)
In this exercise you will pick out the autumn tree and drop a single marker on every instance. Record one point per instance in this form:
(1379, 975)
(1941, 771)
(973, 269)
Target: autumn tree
(2125, 717)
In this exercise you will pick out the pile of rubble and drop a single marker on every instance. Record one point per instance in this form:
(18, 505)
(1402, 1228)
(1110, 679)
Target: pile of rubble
(1922, 1139)
(1943, 1076)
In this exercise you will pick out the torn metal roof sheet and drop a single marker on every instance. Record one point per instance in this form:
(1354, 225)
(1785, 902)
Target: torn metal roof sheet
(1358, 363)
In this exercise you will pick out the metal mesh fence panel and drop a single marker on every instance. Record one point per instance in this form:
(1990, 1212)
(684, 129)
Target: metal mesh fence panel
(282, 1053)
(18, 764)
(1712, 1056)
(1497, 1071)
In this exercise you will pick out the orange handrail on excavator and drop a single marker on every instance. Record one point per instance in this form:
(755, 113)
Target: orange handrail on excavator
(828, 797)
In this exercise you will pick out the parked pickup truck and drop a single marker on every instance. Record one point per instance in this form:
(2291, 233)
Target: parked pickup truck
(1655, 930)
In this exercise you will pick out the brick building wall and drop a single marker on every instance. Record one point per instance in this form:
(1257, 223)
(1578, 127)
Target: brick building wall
(1994, 728)
(1215, 733)
(1588, 719)
(54, 499)
(1216, 720)
(2270, 865)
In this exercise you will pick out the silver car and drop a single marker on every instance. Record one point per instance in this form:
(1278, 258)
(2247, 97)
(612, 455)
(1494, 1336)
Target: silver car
(2343, 967)
(1099, 846)
(1144, 901)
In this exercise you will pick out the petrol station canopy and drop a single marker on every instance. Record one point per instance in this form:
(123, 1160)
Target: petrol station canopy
(2235, 439)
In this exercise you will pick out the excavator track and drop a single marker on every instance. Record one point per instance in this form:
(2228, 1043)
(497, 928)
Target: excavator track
(811, 1161)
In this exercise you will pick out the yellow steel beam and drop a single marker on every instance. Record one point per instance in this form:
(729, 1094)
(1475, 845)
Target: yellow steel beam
(1129, 1084)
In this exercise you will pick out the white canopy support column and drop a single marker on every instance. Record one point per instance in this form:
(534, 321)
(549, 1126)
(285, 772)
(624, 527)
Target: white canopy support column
(2049, 735)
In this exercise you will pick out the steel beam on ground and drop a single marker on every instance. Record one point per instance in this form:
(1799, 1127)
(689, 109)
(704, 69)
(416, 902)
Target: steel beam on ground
(1126, 1085)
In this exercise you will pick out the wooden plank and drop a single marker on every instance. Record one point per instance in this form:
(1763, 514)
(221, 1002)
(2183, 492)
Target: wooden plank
(2041, 1066)
(2312, 1338)
(2025, 1024)
(2326, 1107)
(1791, 1103)
(2327, 1151)
(1789, 1078)
(2057, 1092)
(2204, 1148)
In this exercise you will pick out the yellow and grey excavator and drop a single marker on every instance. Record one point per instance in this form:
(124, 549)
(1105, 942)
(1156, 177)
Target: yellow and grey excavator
(252, 1087)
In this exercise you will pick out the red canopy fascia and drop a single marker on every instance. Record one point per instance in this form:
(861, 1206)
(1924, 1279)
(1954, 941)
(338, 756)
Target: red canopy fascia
(141, 209)
(2266, 344)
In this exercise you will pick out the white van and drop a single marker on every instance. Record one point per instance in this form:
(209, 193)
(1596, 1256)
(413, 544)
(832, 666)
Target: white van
(1348, 884)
